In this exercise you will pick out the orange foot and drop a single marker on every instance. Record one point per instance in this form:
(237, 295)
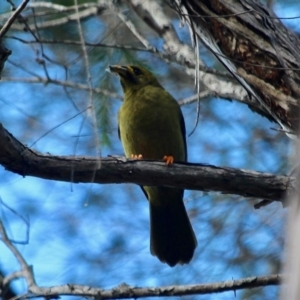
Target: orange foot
(168, 159)
(136, 156)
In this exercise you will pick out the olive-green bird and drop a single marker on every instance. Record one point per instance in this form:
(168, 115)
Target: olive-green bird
(151, 126)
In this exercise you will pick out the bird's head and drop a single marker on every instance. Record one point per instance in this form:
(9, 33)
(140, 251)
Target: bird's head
(134, 77)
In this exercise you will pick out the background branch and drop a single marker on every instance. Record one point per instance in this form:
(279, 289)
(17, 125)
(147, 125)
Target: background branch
(125, 291)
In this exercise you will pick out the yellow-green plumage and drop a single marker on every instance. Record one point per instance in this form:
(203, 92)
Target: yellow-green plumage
(151, 124)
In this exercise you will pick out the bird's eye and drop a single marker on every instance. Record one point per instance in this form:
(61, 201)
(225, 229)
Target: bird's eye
(137, 71)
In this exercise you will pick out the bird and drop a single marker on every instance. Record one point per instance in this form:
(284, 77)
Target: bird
(151, 126)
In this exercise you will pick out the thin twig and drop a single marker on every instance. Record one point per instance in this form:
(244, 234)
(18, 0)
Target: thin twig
(70, 84)
(194, 98)
(168, 57)
(89, 82)
(13, 17)
(25, 267)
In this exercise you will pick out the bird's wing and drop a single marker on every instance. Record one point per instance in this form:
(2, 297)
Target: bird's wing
(119, 133)
(182, 127)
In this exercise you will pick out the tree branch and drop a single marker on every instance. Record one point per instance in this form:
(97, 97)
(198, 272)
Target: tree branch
(62, 83)
(125, 291)
(12, 18)
(18, 158)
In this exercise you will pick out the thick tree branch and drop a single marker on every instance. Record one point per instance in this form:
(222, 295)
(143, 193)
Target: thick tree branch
(17, 158)
(125, 291)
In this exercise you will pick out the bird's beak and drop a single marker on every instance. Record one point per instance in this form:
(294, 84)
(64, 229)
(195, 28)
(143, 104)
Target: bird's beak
(119, 70)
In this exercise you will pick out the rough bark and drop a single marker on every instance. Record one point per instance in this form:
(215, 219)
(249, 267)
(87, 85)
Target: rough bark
(18, 158)
(253, 44)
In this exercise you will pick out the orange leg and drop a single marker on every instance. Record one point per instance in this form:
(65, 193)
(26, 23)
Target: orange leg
(136, 156)
(168, 159)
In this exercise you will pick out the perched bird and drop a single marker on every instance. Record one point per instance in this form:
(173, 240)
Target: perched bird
(151, 126)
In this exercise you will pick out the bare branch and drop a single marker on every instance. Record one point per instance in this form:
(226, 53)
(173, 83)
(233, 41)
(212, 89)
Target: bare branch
(175, 51)
(26, 269)
(90, 9)
(89, 81)
(163, 55)
(154, 16)
(12, 18)
(194, 98)
(130, 26)
(19, 159)
(125, 291)
(62, 83)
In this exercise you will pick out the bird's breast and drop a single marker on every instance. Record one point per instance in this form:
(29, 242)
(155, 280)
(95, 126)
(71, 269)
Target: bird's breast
(151, 130)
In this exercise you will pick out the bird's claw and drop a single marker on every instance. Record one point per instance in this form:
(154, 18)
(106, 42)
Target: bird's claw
(136, 156)
(168, 159)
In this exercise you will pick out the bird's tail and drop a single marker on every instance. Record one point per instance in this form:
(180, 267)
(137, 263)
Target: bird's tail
(172, 237)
